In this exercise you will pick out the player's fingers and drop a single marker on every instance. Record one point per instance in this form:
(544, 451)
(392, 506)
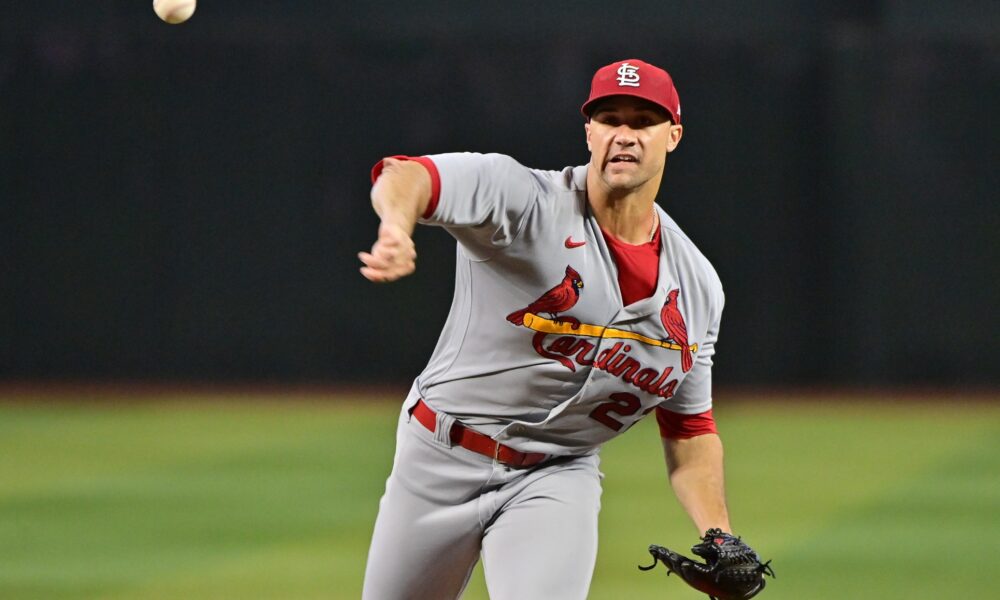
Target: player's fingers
(385, 275)
(382, 265)
(374, 260)
(383, 259)
(374, 275)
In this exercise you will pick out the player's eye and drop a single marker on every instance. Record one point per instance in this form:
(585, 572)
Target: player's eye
(645, 120)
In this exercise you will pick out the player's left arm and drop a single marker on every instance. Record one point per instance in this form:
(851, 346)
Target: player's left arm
(691, 444)
(695, 467)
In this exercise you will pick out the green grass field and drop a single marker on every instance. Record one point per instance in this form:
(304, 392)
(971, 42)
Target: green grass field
(274, 497)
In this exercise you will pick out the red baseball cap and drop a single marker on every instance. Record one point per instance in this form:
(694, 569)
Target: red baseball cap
(637, 78)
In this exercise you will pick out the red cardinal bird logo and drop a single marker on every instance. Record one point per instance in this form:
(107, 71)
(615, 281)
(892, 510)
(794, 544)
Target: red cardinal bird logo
(559, 299)
(673, 322)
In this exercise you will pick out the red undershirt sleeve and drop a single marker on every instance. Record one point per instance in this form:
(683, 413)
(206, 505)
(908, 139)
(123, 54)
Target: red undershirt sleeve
(431, 169)
(677, 426)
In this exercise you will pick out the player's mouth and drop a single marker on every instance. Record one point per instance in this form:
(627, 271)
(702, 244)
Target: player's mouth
(623, 158)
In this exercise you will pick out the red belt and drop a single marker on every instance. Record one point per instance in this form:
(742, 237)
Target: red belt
(473, 440)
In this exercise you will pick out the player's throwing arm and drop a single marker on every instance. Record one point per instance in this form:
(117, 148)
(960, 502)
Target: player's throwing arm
(399, 196)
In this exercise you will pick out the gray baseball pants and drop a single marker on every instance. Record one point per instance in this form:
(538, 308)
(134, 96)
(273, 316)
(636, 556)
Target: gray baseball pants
(444, 507)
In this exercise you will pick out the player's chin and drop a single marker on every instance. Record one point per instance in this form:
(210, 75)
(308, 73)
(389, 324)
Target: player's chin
(618, 180)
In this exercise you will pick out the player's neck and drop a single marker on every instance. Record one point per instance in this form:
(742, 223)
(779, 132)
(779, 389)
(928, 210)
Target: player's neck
(628, 220)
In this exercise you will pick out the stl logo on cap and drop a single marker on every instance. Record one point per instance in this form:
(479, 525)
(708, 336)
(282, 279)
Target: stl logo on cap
(628, 75)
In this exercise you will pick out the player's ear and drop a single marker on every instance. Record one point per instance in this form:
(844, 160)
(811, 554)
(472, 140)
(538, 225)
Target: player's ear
(675, 134)
(586, 127)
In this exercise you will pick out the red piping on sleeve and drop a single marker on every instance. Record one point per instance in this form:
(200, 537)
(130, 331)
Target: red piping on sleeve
(431, 170)
(678, 427)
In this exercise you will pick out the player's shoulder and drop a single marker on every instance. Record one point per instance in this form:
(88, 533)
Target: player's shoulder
(552, 182)
(567, 179)
(490, 161)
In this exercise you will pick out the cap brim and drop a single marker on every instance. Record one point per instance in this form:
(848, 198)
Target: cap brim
(589, 105)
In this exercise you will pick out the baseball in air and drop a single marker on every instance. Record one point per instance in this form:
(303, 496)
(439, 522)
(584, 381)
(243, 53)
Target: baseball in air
(174, 11)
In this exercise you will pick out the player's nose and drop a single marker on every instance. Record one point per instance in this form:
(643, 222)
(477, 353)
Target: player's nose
(625, 139)
(624, 135)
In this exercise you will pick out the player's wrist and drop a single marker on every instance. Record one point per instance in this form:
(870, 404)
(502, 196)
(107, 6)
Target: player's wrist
(399, 226)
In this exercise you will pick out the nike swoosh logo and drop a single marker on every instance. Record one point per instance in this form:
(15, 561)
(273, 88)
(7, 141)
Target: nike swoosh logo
(571, 244)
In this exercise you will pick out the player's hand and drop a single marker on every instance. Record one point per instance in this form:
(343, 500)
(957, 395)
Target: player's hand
(393, 255)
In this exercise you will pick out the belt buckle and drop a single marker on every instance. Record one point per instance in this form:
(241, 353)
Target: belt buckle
(496, 452)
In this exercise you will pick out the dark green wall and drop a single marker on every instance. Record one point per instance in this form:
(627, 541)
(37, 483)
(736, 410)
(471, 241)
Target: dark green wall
(186, 202)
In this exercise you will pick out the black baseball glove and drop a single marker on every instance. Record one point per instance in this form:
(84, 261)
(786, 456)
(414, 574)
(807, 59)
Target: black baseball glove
(731, 571)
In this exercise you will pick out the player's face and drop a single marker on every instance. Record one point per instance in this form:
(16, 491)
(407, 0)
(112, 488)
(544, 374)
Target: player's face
(629, 139)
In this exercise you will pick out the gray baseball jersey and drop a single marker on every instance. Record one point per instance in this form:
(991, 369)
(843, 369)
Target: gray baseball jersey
(567, 379)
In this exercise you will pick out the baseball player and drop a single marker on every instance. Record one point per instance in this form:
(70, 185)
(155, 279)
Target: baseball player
(580, 307)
